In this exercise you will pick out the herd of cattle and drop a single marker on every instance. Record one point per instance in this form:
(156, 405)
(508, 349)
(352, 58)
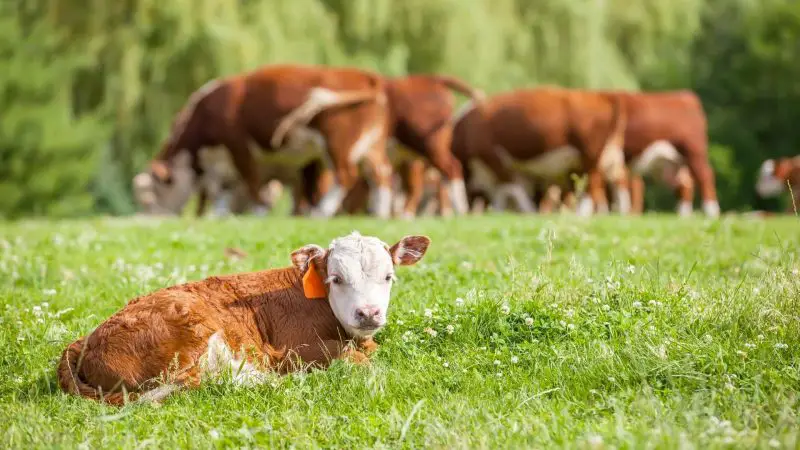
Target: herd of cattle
(316, 127)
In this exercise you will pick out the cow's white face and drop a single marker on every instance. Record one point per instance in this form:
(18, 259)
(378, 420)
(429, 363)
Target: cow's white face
(768, 185)
(156, 196)
(358, 272)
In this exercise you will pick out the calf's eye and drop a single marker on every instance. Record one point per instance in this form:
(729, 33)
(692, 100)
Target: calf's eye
(336, 280)
(389, 278)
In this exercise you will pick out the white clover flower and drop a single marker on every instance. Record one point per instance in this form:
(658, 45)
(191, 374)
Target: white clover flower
(431, 331)
(459, 301)
(514, 359)
(595, 440)
(450, 329)
(399, 322)
(631, 268)
(774, 443)
(446, 364)
(760, 337)
(214, 434)
(529, 321)
(606, 308)
(781, 346)
(750, 345)
(637, 304)
(428, 313)
(505, 309)
(756, 290)
(570, 326)
(497, 362)
(49, 291)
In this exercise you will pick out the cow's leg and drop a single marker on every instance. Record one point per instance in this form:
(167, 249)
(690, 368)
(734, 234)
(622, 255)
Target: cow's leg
(437, 147)
(445, 202)
(595, 197)
(247, 167)
(381, 171)
(202, 201)
(413, 181)
(508, 184)
(345, 177)
(704, 175)
(636, 183)
(684, 191)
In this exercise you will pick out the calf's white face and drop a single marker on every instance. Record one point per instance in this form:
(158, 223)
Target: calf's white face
(768, 184)
(358, 272)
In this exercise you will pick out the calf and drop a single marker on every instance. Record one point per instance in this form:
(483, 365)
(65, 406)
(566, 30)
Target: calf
(547, 133)
(667, 130)
(777, 175)
(328, 304)
(280, 107)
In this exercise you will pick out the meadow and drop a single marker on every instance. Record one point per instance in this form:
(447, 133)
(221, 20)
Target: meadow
(512, 332)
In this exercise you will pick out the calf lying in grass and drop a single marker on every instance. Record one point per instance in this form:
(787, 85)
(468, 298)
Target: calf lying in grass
(327, 305)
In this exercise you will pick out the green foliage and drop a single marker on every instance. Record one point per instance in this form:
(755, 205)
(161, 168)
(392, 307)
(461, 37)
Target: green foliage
(108, 83)
(650, 332)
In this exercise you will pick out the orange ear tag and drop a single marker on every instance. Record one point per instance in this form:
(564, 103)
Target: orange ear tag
(313, 287)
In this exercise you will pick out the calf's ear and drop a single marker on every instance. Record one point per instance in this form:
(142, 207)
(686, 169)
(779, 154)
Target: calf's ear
(302, 257)
(409, 250)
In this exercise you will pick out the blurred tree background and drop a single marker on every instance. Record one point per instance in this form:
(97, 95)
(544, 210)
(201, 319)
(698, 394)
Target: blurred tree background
(88, 88)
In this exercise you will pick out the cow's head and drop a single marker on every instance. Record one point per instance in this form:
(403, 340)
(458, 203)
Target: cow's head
(357, 273)
(772, 176)
(166, 187)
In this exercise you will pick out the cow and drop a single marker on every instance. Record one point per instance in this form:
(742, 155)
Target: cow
(327, 305)
(777, 175)
(665, 131)
(420, 120)
(547, 133)
(341, 110)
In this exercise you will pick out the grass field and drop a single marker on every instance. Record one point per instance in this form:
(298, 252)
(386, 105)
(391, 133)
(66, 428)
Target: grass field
(511, 333)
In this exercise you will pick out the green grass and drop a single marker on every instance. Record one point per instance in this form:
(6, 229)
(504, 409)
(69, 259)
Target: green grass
(646, 332)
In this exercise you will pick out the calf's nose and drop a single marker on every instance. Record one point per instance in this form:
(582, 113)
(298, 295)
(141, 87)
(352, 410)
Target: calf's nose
(368, 312)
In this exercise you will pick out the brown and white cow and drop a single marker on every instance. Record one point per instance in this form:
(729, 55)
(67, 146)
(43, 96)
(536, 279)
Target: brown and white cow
(778, 175)
(421, 110)
(546, 133)
(665, 131)
(328, 304)
(282, 107)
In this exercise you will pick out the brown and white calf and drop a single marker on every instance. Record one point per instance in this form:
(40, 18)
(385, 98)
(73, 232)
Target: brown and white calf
(547, 134)
(341, 111)
(328, 304)
(665, 131)
(779, 175)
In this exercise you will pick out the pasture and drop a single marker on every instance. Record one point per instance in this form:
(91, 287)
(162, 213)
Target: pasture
(513, 332)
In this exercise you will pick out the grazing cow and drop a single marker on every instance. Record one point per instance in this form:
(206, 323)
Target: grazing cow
(281, 107)
(328, 304)
(547, 133)
(666, 130)
(420, 113)
(777, 175)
